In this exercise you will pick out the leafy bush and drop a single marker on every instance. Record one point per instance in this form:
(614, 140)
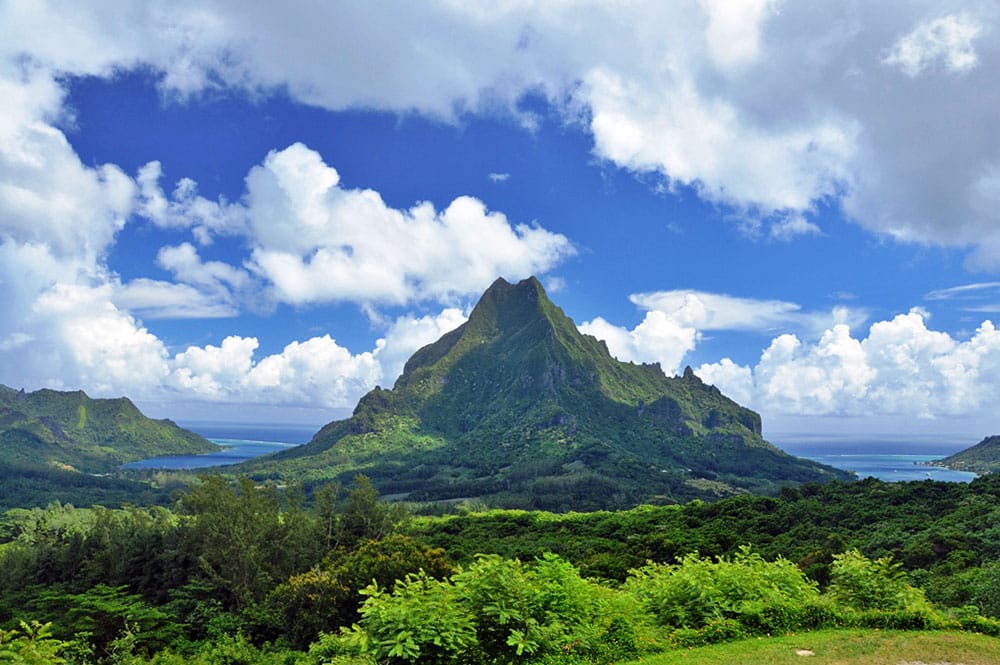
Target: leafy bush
(31, 644)
(861, 583)
(983, 587)
(496, 611)
(421, 621)
(308, 604)
(980, 624)
(719, 630)
(692, 593)
(523, 609)
(325, 598)
(899, 619)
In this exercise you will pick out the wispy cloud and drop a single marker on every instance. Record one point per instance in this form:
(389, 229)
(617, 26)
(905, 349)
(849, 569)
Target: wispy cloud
(966, 292)
(981, 297)
(719, 311)
(499, 177)
(155, 299)
(792, 227)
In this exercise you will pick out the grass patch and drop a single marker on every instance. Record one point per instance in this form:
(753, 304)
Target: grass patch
(844, 647)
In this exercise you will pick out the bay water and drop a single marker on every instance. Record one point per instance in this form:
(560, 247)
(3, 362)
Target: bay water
(888, 459)
(240, 442)
(892, 459)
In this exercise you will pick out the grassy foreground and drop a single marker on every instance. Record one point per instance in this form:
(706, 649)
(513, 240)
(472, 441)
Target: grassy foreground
(844, 647)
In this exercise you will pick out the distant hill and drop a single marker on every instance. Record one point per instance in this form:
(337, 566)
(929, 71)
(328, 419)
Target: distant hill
(517, 407)
(69, 430)
(984, 457)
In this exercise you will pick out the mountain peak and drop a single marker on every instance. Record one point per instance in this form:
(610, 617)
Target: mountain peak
(501, 287)
(503, 311)
(505, 304)
(518, 405)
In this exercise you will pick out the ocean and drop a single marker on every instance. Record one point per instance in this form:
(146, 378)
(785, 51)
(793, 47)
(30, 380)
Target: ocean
(241, 442)
(888, 459)
(892, 459)
(894, 467)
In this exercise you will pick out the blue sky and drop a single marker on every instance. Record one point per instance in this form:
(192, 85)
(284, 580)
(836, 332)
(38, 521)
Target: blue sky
(258, 213)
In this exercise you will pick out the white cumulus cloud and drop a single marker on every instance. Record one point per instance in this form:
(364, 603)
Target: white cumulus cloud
(704, 142)
(676, 320)
(185, 208)
(47, 196)
(717, 311)
(658, 338)
(793, 226)
(901, 368)
(205, 289)
(316, 372)
(99, 345)
(733, 379)
(733, 33)
(315, 241)
(947, 40)
(409, 333)
(156, 299)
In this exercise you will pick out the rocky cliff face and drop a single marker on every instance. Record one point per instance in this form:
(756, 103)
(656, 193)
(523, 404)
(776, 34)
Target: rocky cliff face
(518, 407)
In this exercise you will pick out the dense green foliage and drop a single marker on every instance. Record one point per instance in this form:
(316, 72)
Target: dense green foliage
(518, 408)
(694, 592)
(946, 536)
(329, 595)
(47, 429)
(495, 611)
(31, 644)
(246, 573)
(27, 485)
(229, 559)
(984, 457)
(860, 583)
(502, 611)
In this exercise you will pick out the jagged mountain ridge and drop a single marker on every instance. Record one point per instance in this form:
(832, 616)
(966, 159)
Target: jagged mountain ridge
(518, 407)
(70, 430)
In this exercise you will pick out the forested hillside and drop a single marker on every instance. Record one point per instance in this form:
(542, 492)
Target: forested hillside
(71, 431)
(984, 457)
(259, 574)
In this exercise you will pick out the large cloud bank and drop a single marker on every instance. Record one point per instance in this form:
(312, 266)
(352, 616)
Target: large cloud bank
(768, 109)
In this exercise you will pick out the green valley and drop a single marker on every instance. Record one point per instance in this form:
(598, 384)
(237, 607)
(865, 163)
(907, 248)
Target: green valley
(67, 446)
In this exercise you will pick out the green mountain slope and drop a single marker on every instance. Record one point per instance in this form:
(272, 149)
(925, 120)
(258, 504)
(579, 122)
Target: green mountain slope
(984, 457)
(71, 430)
(518, 407)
